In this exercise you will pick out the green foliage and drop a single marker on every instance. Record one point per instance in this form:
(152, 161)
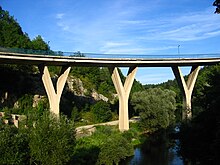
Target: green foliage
(39, 44)
(75, 116)
(206, 89)
(156, 108)
(98, 113)
(25, 103)
(13, 145)
(11, 34)
(102, 111)
(52, 140)
(204, 134)
(44, 140)
(7, 112)
(113, 150)
(135, 134)
(77, 54)
(171, 85)
(88, 118)
(105, 146)
(137, 86)
(204, 130)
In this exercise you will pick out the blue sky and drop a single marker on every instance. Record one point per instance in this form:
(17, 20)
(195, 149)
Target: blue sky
(122, 26)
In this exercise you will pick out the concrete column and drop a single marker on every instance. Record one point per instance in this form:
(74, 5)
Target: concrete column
(186, 88)
(54, 93)
(123, 94)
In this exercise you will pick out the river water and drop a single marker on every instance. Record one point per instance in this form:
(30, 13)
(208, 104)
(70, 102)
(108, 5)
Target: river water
(160, 153)
(160, 156)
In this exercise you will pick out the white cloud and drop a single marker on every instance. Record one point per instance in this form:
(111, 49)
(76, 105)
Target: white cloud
(122, 30)
(63, 26)
(60, 15)
(187, 27)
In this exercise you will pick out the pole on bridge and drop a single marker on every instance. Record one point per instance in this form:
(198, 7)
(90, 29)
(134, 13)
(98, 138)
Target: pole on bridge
(54, 93)
(123, 92)
(186, 88)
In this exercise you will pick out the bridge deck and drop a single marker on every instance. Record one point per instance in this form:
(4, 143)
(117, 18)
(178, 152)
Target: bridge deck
(31, 59)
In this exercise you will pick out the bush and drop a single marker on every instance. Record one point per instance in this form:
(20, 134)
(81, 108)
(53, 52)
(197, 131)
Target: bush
(47, 140)
(102, 111)
(114, 150)
(52, 140)
(105, 146)
(14, 145)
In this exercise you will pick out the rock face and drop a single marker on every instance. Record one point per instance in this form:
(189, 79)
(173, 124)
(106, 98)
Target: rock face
(75, 85)
(98, 97)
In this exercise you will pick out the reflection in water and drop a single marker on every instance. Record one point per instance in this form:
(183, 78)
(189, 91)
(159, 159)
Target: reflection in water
(156, 152)
(156, 156)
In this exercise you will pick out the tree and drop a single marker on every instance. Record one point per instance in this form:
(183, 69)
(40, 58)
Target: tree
(51, 140)
(156, 108)
(217, 4)
(39, 44)
(204, 130)
(11, 34)
(114, 149)
(102, 111)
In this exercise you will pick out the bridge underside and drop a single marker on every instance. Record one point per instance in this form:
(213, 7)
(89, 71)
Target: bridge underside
(123, 90)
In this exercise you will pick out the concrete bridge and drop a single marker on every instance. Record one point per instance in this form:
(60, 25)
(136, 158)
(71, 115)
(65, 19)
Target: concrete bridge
(113, 62)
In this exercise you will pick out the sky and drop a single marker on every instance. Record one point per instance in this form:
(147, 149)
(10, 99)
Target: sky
(154, 27)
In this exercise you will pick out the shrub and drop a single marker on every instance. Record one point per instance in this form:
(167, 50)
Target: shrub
(52, 140)
(105, 146)
(114, 149)
(102, 111)
(14, 145)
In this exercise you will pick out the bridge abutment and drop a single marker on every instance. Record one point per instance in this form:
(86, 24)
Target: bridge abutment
(54, 93)
(186, 88)
(123, 92)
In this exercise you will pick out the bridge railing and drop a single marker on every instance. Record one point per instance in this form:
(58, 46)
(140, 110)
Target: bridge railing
(99, 55)
(136, 56)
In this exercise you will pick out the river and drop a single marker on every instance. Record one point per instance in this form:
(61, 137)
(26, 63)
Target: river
(163, 152)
